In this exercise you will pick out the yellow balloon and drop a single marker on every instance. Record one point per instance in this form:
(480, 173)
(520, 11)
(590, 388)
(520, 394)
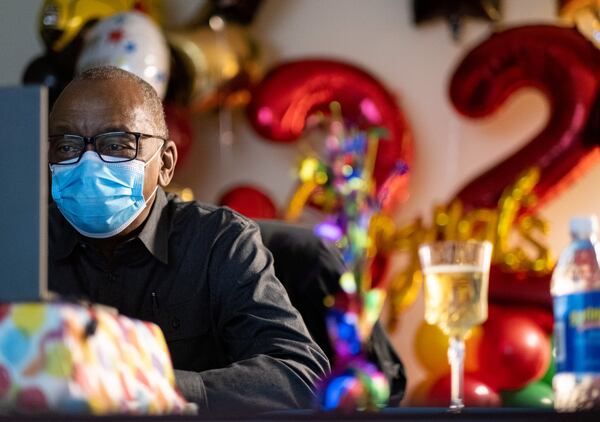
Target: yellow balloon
(29, 317)
(60, 21)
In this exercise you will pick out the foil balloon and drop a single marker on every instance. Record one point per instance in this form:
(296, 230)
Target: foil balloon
(394, 190)
(219, 65)
(293, 92)
(180, 129)
(565, 66)
(249, 201)
(525, 288)
(61, 21)
(584, 15)
(132, 42)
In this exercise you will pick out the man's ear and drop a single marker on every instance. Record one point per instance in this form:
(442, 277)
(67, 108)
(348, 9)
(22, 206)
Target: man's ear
(168, 161)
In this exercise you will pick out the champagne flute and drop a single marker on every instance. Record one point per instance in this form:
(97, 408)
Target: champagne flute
(456, 289)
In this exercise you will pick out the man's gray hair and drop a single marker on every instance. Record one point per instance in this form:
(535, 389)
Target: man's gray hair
(151, 98)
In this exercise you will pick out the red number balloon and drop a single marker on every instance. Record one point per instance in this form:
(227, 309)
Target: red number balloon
(565, 66)
(292, 92)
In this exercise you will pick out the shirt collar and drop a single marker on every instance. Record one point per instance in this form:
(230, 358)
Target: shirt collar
(154, 234)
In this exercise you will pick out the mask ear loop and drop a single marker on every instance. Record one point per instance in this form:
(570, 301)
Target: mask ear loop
(155, 154)
(146, 164)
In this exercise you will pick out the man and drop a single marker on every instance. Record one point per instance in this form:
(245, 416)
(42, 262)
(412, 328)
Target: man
(201, 273)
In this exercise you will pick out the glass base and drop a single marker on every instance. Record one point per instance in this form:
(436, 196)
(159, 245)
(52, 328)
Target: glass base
(456, 407)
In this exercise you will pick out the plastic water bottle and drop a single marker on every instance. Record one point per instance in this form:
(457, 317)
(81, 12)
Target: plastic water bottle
(576, 292)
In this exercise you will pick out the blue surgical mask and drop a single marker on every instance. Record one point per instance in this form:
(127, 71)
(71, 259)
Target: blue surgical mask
(100, 199)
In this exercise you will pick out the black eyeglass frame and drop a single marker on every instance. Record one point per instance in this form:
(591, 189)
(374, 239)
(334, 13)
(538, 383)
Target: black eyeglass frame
(92, 140)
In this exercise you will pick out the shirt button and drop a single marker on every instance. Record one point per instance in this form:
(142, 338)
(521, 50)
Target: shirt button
(175, 323)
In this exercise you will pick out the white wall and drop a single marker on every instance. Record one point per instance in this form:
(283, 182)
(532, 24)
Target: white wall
(414, 63)
(19, 40)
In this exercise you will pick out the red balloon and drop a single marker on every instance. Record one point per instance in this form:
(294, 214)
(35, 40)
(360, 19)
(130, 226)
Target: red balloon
(513, 351)
(541, 316)
(249, 201)
(292, 92)
(565, 66)
(180, 129)
(476, 393)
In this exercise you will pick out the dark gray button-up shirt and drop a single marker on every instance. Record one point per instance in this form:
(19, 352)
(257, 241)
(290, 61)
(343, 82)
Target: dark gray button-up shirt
(203, 275)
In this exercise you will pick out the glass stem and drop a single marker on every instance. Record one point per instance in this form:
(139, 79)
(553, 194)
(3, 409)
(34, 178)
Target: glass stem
(456, 355)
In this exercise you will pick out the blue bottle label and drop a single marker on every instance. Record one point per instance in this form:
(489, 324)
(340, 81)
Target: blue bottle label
(577, 332)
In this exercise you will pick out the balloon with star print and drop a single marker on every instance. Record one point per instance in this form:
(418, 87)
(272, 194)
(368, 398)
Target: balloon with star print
(132, 42)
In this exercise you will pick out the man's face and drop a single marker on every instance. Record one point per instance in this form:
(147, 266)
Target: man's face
(91, 107)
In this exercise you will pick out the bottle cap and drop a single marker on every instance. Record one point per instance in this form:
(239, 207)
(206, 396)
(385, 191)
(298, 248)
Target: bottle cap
(583, 226)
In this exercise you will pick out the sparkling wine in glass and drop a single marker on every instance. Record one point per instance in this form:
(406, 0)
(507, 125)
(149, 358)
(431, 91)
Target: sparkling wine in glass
(456, 289)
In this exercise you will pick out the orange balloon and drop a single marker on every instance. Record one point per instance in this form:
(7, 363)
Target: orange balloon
(431, 348)
(472, 343)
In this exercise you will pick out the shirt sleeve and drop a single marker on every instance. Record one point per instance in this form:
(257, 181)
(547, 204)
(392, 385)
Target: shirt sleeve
(276, 364)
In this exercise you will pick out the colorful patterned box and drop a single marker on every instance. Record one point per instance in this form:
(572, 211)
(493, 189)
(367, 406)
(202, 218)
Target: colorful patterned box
(61, 357)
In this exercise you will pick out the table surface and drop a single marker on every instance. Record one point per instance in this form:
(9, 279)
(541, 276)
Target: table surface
(402, 414)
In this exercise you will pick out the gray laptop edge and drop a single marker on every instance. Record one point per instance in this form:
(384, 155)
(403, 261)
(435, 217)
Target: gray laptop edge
(24, 193)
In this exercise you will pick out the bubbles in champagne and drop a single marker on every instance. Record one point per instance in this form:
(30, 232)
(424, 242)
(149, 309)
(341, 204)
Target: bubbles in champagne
(455, 297)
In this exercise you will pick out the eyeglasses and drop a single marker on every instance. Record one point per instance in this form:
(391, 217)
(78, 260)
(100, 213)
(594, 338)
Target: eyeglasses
(111, 147)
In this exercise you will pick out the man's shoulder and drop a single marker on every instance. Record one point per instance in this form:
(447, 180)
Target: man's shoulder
(193, 213)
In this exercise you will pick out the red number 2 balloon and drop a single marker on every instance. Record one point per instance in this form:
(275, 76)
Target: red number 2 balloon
(565, 66)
